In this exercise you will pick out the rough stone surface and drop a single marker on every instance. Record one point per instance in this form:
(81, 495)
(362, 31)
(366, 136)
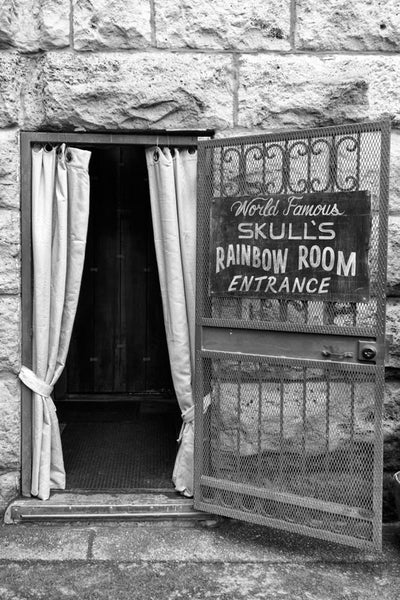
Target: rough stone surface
(10, 424)
(391, 425)
(392, 328)
(9, 269)
(222, 25)
(143, 90)
(394, 191)
(303, 91)
(393, 272)
(33, 25)
(9, 488)
(118, 24)
(9, 333)
(17, 78)
(48, 543)
(9, 227)
(372, 25)
(9, 168)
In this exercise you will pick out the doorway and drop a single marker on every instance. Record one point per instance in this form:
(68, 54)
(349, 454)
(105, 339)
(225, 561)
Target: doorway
(115, 401)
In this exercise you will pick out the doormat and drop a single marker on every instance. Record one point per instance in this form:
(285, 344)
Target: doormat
(86, 412)
(103, 455)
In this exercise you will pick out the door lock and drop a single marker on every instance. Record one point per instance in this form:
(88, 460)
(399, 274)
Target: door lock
(366, 351)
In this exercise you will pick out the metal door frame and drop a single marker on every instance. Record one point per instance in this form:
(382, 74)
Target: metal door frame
(205, 323)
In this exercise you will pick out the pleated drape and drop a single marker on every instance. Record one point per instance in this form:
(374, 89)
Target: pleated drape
(172, 180)
(60, 211)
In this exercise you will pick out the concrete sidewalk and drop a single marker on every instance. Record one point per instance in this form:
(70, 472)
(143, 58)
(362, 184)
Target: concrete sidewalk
(125, 560)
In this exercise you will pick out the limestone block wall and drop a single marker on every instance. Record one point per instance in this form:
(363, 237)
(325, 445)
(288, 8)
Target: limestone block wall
(87, 65)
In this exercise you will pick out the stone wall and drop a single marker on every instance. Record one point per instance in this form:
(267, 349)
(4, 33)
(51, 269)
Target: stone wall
(86, 65)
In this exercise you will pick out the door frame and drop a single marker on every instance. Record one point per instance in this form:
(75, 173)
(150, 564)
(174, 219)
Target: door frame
(87, 140)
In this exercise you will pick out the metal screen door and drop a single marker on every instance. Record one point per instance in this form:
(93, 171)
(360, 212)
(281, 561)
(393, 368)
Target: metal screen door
(289, 387)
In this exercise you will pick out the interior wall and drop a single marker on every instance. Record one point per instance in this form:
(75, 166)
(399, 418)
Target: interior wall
(118, 344)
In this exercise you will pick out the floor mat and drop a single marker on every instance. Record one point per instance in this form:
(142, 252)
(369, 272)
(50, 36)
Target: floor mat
(121, 455)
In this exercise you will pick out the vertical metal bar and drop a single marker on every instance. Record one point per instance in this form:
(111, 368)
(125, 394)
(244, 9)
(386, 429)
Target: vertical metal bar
(381, 322)
(201, 303)
(283, 310)
(239, 416)
(378, 458)
(327, 470)
(263, 189)
(358, 161)
(259, 475)
(352, 445)
(309, 154)
(26, 312)
(218, 419)
(286, 167)
(304, 424)
(306, 309)
(281, 427)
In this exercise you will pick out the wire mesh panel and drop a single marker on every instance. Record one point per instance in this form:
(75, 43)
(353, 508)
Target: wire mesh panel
(293, 439)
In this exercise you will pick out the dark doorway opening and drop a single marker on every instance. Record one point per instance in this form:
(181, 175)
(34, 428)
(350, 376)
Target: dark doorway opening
(115, 400)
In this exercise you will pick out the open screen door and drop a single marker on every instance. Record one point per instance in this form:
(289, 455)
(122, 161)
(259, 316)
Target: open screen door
(290, 343)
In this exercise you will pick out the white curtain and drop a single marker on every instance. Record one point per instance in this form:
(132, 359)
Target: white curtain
(172, 180)
(60, 211)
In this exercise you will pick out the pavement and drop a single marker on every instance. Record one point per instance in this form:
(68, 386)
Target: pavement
(167, 561)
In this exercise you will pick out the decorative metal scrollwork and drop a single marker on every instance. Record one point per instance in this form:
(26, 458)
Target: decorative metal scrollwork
(351, 181)
(308, 165)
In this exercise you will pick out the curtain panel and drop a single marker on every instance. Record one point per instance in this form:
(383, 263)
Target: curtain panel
(60, 212)
(172, 180)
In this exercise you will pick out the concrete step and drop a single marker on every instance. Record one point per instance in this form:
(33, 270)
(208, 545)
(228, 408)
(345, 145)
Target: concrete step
(145, 507)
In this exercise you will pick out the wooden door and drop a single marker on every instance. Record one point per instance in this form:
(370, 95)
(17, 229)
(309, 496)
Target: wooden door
(118, 343)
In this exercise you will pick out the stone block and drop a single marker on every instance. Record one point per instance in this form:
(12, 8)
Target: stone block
(10, 423)
(33, 25)
(9, 333)
(308, 91)
(141, 90)
(9, 227)
(17, 79)
(393, 270)
(10, 276)
(100, 24)
(391, 425)
(393, 329)
(10, 89)
(9, 488)
(9, 168)
(223, 25)
(339, 25)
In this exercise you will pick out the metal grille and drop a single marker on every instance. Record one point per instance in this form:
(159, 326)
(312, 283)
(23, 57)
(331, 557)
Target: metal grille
(291, 442)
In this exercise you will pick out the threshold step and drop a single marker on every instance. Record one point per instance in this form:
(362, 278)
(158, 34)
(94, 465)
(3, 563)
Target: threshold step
(105, 507)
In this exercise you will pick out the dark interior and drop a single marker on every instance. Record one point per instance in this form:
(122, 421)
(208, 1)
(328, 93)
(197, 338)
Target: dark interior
(115, 399)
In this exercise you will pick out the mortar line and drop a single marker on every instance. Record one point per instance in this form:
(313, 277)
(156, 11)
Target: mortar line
(91, 538)
(293, 21)
(153, 26)
(236, 81)
(71, 24)
(216, 51)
